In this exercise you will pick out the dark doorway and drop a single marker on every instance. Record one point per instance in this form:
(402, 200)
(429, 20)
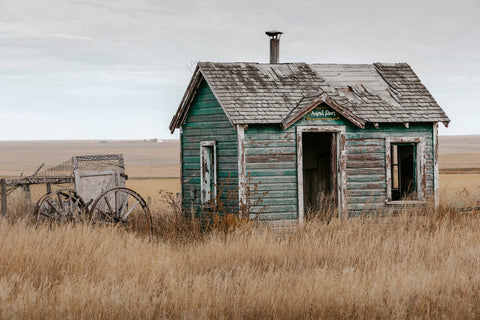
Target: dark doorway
(319, 168)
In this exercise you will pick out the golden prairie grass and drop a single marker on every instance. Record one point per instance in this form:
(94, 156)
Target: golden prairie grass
(419, 264)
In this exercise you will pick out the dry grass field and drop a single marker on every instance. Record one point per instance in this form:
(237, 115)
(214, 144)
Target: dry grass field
(415, 265)
(420, 263)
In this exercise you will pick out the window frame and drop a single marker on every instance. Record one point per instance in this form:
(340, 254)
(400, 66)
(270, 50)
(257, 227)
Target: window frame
(419, 164)
(203, 145)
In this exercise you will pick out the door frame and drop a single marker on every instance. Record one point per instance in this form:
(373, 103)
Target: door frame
(338, 137)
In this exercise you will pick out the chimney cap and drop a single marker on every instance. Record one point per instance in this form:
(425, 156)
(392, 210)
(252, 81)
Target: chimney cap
(273, 34)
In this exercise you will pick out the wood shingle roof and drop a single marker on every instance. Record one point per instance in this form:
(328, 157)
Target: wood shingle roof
(253, 93)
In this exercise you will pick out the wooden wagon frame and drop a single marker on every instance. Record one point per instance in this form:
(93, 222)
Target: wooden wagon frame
(98, 194)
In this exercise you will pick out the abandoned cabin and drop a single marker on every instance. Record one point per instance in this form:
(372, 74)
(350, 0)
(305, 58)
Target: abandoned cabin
(362, 136)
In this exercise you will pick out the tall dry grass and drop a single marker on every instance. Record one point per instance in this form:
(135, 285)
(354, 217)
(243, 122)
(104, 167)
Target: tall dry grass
(414, 265)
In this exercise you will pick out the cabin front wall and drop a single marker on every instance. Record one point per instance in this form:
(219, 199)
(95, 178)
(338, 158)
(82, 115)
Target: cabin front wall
(207, 123)
(271, 163)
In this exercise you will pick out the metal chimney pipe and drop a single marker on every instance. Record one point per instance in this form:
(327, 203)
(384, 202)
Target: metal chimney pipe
(274, 45)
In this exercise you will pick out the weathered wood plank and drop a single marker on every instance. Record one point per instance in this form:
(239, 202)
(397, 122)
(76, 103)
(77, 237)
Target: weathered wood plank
(288, 137)
(274, 179)
(271, 158)
(204, 112)
(206, 132)
(366, 157)
(365, 193)
(365, 149)
(365, 178)
(272, 151)
(206, 125)
(365, 171)
(367, 200)
(265, 173)
(271, 165)
(365, 186)
(365, 142)
(282, 194)
(353, 164)
(277, 216)
(364, 207)
(277, 186)
(269, 144)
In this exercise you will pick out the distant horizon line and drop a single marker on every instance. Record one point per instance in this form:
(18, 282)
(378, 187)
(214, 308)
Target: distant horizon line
(159, 140)
(152, 140)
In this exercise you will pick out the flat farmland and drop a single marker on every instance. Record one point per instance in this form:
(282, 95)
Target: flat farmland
(153, 167)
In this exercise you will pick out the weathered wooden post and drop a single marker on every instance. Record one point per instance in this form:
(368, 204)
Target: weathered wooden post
(3, 191)
(49, 187)
(28, 195)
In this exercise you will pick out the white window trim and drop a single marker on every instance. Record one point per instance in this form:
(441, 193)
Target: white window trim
(420, 168)
(211, 143)
(341, 167)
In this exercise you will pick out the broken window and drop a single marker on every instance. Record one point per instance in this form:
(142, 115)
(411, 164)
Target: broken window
(403, 171)
(208, 171)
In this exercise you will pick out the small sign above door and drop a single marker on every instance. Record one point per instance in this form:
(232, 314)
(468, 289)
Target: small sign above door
(322, 113)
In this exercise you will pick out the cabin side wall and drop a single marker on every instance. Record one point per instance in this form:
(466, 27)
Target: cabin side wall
(366, 163)
(206, 121)
(271, 163)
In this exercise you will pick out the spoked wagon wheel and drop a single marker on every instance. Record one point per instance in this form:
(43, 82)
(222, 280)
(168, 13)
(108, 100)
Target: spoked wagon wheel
(122, 206)
(61, 205)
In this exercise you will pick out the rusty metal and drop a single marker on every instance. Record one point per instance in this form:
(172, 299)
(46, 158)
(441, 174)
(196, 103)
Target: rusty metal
(274, 45)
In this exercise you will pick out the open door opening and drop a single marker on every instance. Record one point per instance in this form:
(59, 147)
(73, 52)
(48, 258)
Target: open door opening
(319, 173)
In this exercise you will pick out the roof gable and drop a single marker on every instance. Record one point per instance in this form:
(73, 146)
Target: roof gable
(307, 104)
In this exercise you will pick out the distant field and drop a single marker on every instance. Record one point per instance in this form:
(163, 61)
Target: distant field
(459, 152)
(142, 159)
(160, 161)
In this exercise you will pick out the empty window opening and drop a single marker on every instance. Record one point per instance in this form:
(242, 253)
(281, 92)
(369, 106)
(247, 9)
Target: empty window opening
(319, 172)
(403, 168)
(208, 171)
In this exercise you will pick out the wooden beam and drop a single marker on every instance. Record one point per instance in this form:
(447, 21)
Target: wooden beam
(3, 191)
(27, 194)
(435, 166)
(36, 171)
(242, 175)
(29, 181)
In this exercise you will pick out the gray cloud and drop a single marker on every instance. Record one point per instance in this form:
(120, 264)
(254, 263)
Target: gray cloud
(120, 67)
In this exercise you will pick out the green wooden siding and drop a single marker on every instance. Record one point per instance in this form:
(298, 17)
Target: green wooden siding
(271, 159)
(206, 121)
(272, 164)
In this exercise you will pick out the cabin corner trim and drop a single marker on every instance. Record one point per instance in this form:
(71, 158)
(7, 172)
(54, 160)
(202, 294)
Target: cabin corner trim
(435, 166)
(242, 178)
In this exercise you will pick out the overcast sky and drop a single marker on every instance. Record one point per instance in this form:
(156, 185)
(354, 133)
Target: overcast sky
(117, 69)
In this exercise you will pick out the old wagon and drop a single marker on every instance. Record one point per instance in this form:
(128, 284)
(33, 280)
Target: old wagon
(98, 195)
